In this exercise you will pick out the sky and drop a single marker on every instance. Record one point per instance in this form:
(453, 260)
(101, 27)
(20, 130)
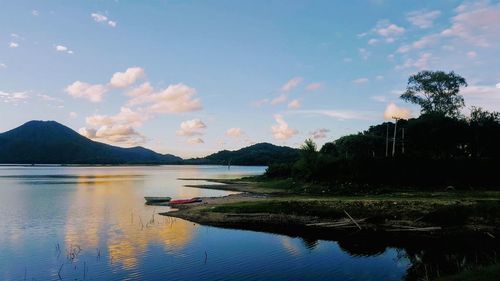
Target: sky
(193, 77)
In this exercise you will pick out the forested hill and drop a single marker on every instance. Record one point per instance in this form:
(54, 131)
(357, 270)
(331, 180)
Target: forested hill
(257, 154)
(48, 142)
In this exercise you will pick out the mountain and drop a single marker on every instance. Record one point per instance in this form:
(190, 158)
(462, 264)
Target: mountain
(48, 142)
(257, 154)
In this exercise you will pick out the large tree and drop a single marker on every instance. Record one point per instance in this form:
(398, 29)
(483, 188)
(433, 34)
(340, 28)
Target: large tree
(437, 92)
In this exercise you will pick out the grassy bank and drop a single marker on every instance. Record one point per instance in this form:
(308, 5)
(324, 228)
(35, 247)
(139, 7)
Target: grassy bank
(484, 273)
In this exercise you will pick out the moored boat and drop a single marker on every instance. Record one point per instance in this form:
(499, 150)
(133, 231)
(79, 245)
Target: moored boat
(185, 201)
(153, 199)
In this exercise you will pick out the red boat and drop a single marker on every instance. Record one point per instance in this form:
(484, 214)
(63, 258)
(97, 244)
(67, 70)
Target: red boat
(184, 201)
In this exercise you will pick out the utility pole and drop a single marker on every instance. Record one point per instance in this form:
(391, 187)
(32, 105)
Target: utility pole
(403, 142)
(387, 141)
(394, 140)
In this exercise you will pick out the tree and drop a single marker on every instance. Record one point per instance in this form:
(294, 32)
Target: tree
(437, 92)
(306, 165)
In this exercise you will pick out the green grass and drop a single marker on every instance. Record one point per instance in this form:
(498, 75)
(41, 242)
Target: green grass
(296, 207)
(486, 273)
(445, 211)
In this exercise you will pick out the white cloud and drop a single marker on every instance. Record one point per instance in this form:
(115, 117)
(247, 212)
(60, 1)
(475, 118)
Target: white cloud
(294, 104)
(386, 29)
(48, 98)
(314, 87)
(471, 55)
(281, 131)
(486, 96)
(291, 84)
(139, 92)
(260, 102)
(363, 53)
(279, 99)
(63, 49)
(319, 133)
(13, 45)
(419, 44)
(191, 128)
(3, 65)
(393, 111)
(373, 41)
(73, 115)
(340, 114)
(35, 13)
(13, 97)
(116, 134)
(79, 89)
(126, 116)
(174, 99)
(127, 78)
(422, 62)
(195, 141)
(360, 81)
(423, 19)
(347, 60)
(99, 17)
(476, 23)
(379, 77)
(116, 129)
(234, 132)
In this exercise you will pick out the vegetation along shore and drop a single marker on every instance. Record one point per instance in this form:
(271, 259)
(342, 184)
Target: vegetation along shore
(424, 178)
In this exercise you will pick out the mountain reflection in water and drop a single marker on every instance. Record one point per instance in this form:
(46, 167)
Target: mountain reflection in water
(91, 223)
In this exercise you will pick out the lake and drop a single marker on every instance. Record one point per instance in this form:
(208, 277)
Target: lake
(91, 223)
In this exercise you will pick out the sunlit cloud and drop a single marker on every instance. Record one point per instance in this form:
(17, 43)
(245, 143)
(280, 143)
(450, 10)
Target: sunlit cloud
(125, 116)
(476, 23)
(392, 111)
(339, 114)
(13, 45)
(234, 132)
(291, 84)
(116, 129)
(174, 99)
(92, 92)
(294, 104)
(192, 127)
(127, 78)
(281, 131)
(116, 134)
(314, 87)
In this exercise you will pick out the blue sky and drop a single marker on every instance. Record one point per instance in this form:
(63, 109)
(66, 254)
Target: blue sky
(193, 77)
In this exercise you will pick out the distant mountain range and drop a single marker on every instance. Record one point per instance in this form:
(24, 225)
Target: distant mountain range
(257, 154)
(48, 142)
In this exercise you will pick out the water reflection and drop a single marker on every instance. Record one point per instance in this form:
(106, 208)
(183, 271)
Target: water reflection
(91, 223)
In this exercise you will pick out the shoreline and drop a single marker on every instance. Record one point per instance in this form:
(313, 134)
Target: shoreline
(395, 215)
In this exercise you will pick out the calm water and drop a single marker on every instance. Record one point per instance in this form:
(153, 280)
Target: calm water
(90, 223)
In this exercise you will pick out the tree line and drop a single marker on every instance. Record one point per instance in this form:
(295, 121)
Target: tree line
(440, 147)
